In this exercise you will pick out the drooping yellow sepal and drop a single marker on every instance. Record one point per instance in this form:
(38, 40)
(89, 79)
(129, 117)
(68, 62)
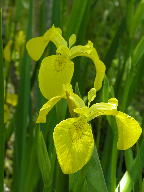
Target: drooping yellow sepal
(90, 52)
(46, 108)
(55, 71)
(74, 144)
(129, 131)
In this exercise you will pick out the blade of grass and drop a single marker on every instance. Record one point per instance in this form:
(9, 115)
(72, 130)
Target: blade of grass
(2, 128)
(137, 18)
(137, 55)
(22, 110)
(110, 54)
(56, 13)
(130, 177)
(43, 159)
(76, 17)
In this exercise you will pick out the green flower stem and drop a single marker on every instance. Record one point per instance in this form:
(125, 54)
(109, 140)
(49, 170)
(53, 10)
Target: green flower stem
(23, 112)
(113, 157)
(2, 128)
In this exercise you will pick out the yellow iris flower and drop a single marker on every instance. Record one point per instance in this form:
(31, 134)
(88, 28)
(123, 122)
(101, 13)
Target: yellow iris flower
(57, 70)
(18, 45)
(73, 138)
(11, 99)
(7, 51)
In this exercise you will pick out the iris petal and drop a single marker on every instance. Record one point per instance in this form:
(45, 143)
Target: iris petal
(74, 144)
(98, 109)
(90, 52)
(55, 71)
(129, 131)
(46, 108)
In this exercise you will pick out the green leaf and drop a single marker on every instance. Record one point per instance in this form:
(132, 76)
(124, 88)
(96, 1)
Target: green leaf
(90, 178)
(137, 18)
(130, 177)
(134, 74)
(43, 159)
(2, 128)
(76, 17)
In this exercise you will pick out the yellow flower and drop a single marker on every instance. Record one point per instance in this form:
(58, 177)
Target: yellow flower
(18, 44)
(19, 40)
(73, 138)
(74, 143)
(7, 113)
(74, 101)
(7, 51)
(129, 129)
(11, 99)
(57, 70)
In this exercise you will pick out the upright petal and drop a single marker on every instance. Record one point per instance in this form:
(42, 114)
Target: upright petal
(72, 40)
(90, 52)
(55, 71)
(54, 35)
(91, 95)
(129, 131)
(74, 101)
(46, 108)
(74, 144)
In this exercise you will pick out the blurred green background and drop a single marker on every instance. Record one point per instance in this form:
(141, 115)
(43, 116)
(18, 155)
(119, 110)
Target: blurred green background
(116, 28)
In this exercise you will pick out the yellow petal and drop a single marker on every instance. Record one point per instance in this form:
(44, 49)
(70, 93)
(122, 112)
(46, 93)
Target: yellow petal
(91, 95)
(72, 40)
(74, 101)
(46, 108)
(90, 52)
(11, 98)
(36, 47)
(129, 131)
(7, 113)
(20, 40)
(74, 143)
(99, 109)
(63, 50)
(55, 71)
(54, 34)
(7, 51)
